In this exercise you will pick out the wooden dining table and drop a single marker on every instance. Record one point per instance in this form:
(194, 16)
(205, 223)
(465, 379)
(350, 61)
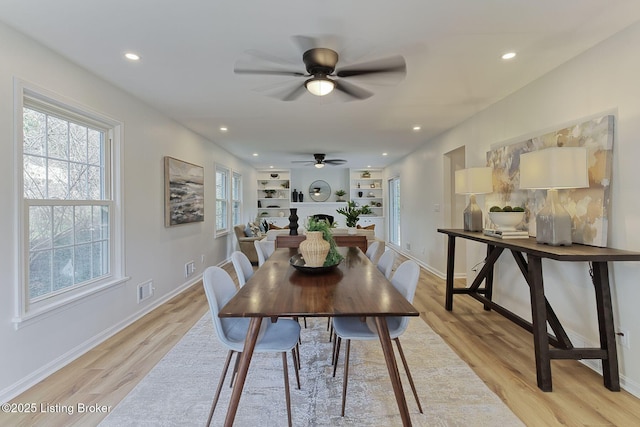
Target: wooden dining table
(354, 288)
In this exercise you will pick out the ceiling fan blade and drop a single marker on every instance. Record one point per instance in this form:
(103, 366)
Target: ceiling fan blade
(294, 94)
(334, 162)
(308, 162)
(268, 72)
(395, 64)
(352, 90)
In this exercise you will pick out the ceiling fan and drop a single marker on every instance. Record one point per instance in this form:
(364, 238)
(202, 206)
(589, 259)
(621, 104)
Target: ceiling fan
(321, 74)
(320, 161)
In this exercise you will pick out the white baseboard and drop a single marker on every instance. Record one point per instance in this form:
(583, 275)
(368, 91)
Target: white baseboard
(35, 377)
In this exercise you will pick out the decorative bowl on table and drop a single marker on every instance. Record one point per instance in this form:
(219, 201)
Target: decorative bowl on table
(506, 221)
(299, 264)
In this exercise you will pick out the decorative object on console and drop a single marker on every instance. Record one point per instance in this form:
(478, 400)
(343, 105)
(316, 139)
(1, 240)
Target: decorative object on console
(293, 222)
(473, 181)
(590, 207)
(552, 169)
(352, 214)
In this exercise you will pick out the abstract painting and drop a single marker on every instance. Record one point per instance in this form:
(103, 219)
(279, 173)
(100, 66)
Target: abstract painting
(589, 207)
(183, 192)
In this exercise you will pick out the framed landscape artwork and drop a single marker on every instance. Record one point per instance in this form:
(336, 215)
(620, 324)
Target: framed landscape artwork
(589, 207)
(183, 192)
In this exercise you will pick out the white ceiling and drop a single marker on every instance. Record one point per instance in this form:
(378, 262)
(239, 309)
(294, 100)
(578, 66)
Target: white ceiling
(189, 49)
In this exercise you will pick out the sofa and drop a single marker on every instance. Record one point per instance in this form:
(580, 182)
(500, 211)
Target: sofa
(246, 243)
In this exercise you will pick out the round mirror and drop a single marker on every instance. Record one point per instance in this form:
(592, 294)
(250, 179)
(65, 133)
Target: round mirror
(319, 191)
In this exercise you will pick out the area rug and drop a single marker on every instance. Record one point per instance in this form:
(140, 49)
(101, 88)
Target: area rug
(179, 389)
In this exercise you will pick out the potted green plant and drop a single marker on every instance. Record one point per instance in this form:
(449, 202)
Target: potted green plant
(365, 174)
(340, 194)
(333, 256)
(352, 213)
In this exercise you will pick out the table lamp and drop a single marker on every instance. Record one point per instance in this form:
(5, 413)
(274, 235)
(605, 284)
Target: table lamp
(473, 181)
(552, 169)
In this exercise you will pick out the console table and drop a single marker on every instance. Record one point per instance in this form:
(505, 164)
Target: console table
(541, 311)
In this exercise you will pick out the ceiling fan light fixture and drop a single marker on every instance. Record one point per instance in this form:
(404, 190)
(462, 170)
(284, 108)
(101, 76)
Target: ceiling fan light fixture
(319, 165)
(320, 85)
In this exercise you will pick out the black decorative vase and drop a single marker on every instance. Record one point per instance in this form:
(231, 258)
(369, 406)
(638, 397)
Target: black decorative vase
(293, 222)
(300, 197)
(294, 195)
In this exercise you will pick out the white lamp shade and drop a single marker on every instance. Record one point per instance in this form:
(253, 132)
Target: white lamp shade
(320, 86)
(474, 181)
(555, 167)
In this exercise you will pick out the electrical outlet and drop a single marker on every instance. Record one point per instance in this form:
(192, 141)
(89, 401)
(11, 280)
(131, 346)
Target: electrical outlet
(408, 246)
(189, 268)
(202, 259)
(623, 338)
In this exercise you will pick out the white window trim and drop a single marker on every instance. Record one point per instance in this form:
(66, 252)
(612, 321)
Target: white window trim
(225, 231)
(23, 313)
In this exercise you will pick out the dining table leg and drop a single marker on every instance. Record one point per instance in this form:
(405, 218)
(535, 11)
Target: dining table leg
(243, 368)
(392, 367)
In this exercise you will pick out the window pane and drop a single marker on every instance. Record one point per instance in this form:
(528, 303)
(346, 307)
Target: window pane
(94, 147)
(40, 273)
(62, 268)
(34, 128)
(35, 177)
(95, 183)
(78, 181)
(58, 180)
(57, 138)
(83, 224)
(82, 263)
(40, 221)
(62, 225)
(100, 227)
(78, 143)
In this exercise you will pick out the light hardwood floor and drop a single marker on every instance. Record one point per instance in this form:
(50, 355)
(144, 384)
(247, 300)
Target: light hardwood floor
(497, 350)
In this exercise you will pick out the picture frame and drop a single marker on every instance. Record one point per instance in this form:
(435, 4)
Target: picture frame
(183, 192)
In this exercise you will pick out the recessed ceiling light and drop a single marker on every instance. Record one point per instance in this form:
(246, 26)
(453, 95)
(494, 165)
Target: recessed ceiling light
(417, 128)
(384, 154)
(255, 154)
(223, 128)
(509, 55)
(132, 56)
(368, 166)
(271, 167)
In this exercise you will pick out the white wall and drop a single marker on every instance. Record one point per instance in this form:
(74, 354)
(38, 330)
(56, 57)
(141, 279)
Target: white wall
(601, 80)
(152, 251)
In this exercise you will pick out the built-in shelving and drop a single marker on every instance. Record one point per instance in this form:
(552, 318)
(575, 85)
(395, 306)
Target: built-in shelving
(274, 193)
(366, 189)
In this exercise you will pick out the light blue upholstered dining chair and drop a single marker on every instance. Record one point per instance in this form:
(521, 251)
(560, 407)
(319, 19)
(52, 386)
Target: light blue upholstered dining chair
(278, 337)
(386, 261)
(372, 249)
(242, 266)
(405, 280)
(264, 248)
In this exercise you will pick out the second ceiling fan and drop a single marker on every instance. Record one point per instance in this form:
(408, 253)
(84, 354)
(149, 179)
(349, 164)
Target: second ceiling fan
(322, 76)
(320, 161)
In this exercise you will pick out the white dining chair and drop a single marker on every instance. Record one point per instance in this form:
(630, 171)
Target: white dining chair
(372, 250)
(242, 266)
(279, 337)
(386, 261)
(264, 248)
(405, 280)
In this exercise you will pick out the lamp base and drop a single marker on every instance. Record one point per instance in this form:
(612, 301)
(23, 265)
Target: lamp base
(472, 215)
(553, 222)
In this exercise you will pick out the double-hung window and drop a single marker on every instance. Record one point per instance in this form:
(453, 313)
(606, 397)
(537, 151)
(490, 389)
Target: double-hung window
(236, 198)
(69, 222)
(222, 200)
(394, 211)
